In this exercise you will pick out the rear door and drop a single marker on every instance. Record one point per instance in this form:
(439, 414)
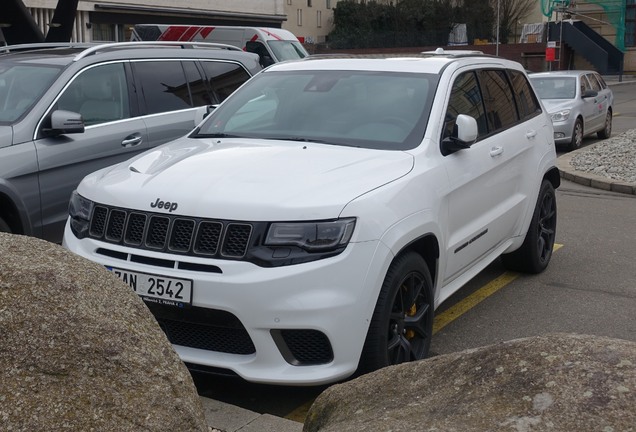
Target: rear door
(171, 90)
(103, 95)
(590, 110)
(602, 100)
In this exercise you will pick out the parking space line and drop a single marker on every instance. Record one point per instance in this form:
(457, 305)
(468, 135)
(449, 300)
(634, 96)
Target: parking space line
(460, 308)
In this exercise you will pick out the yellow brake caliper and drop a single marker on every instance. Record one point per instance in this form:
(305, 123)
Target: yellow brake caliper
(410, 334)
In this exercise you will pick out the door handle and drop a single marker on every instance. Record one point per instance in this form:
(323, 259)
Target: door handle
(496, 151)
(131, 140)
(531, 134)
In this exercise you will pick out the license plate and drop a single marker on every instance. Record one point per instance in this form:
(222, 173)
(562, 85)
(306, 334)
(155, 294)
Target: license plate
(157, 289)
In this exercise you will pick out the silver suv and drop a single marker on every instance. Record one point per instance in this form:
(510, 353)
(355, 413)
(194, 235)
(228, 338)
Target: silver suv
(67, 110)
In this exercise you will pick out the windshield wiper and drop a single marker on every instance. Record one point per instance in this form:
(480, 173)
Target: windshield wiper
(299, 139)
(216, 135)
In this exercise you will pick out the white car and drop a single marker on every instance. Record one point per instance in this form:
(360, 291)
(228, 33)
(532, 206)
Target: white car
(310, 225)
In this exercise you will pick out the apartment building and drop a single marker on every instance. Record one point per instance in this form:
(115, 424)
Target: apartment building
(310, 20)
(112, 20)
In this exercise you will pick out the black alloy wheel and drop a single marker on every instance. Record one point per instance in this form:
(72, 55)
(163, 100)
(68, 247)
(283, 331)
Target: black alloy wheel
(4, 227)
(402, 325)
(536, 251)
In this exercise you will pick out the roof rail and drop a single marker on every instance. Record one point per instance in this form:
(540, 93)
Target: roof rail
(456, 53)
(146, 44)
(34, 46)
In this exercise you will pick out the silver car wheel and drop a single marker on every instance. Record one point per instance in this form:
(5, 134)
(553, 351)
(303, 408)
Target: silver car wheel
(577, 135)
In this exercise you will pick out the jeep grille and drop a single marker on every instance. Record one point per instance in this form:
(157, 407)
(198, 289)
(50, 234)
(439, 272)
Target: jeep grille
(172, 234)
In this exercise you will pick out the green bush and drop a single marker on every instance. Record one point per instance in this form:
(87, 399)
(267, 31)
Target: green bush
(408, 23)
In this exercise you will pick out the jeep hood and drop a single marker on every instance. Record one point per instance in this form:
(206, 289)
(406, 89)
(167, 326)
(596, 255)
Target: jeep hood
(243, 179)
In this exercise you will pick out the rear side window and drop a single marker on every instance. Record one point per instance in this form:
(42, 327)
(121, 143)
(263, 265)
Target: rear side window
(501, 111)
(224, 78)
(198, 88)
(594, 82)
(601, 81)
(99, 94)
(164, 86)
(527, 103)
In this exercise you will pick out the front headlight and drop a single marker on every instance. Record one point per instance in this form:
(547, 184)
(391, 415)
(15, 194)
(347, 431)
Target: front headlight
(79, 210)
(317, 236)
(560, 115)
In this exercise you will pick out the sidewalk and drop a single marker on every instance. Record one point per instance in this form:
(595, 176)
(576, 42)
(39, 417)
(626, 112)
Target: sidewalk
(223, 417)
(588, 179)
(613, 80)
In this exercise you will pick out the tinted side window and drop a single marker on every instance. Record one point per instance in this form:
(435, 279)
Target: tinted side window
(584, 84)
(99, 94)
(466, 99)
(163, 86)
(198, 88)
(501, 111)
(527, 102)
(224, 77)
(601, 81)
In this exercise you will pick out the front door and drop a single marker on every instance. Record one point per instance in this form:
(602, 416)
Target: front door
(488, 194)
(112, 135)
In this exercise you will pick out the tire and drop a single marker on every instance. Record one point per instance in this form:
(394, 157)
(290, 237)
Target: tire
(577, 135)
(606, 132)
(402, 324)
(534, 254)
(4, 227)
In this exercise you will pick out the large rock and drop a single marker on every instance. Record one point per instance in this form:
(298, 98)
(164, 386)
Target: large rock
(549, 383)
(79, 351)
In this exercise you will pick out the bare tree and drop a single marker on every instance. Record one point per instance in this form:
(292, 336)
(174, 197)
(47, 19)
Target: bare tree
(510, 12)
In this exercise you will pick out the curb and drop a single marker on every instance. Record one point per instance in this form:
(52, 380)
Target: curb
(613, 80)
(568, 172)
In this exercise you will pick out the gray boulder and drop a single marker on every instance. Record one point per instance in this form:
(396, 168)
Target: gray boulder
(79, 351)
(551, 383)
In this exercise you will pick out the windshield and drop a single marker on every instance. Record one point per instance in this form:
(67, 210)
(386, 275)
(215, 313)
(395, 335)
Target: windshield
(555, 88)
(381, 110)
(21, 86)
(287, 50)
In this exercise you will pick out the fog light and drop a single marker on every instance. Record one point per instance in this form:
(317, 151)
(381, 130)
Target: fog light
(559, 135)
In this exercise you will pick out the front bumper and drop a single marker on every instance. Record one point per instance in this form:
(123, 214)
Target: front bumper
(563, 131)
(334, 297)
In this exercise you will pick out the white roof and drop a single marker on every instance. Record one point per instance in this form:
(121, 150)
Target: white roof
(415, 63)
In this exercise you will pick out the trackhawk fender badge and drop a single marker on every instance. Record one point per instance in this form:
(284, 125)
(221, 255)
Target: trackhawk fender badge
(170, 206)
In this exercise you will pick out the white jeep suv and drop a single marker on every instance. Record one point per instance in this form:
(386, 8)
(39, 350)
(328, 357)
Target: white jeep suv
(309, 227)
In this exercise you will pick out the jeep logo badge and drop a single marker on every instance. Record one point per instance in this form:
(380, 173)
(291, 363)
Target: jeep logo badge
(164, 205)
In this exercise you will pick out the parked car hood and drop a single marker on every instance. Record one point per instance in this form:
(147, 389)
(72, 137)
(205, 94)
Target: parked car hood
(238, 179)
(554, 105)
